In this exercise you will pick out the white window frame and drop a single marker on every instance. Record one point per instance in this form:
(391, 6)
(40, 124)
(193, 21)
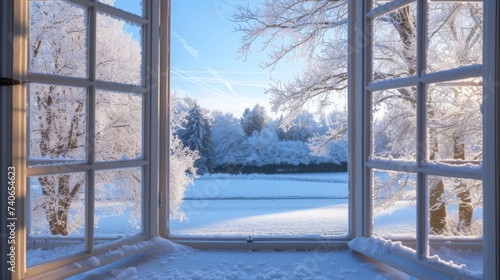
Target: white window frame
(149, 163)
(361, 89)
(244, 242)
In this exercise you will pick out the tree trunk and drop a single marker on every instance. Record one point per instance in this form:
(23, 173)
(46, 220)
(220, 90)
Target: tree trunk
(437, 209)
(465, 209)
(57, 203)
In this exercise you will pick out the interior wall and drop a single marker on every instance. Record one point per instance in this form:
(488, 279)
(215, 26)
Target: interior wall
(6, 10)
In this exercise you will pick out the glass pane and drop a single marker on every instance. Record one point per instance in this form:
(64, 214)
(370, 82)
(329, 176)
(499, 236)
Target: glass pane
(118, 204)
(454, 122)
(455, 35)
(119, 126)
(58, 38)
(118, 50)
(56, 223)
(237, 167)
(394, 44)
(132, 6)
(57, 123)
(394, 204)
(394, 124)
(456, 210)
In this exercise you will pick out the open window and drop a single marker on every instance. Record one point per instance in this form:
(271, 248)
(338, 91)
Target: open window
(84, 120)
(423, 91)
(264, 163)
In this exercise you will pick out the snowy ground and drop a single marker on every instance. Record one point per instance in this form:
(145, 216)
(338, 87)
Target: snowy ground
(259, 205)
(277, 205)
(265, 205)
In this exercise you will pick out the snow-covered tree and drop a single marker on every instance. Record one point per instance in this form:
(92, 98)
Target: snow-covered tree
(316, 33)
(303, 127)
(254, 120)
(227, 135)
(197, 136)
(182, 170)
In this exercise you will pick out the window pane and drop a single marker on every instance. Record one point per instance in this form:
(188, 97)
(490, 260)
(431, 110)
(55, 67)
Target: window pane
(58, 38)
(119, 126)
(57, 123)
(118, 50)
(56, 224)
(394, 204)
(455, 210)
(394, 44)
(394, 124)
(454, 121)
(455, 35)
(131, 6)
(118, 204)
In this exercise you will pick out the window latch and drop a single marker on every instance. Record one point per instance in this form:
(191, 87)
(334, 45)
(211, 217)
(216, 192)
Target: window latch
(9, 82)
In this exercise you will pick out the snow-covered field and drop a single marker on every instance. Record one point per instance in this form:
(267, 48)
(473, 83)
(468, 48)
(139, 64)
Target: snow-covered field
(265, 205)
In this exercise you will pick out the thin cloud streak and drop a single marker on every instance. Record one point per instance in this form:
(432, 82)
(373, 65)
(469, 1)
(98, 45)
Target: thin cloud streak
(222, 80)
(205, 85)
(257, 84)
(192, 51)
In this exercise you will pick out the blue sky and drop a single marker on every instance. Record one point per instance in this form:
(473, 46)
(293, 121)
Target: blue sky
(204, 58)
(205, 62)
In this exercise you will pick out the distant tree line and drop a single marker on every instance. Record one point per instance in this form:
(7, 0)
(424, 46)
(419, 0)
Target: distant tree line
(257, 143)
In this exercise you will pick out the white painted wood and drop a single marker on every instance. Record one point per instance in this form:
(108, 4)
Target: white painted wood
(491, 139)
(164, 122)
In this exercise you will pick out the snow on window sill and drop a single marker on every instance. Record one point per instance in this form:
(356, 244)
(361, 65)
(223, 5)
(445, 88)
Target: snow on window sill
(403, 258)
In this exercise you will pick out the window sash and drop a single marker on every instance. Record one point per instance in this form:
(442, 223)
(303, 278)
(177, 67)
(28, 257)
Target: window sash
(363, 88)
(27, 167)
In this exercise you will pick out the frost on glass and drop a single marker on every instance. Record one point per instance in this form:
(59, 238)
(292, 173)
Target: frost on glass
(57, 123)
(394, 44)
(455, 210)
(57, 216)
(454, 122)
(454, 35)
(132, 6)
(393, 120)
(118, 126)
(394, 204)
(118, 204)
(58, 38)
(118, 50)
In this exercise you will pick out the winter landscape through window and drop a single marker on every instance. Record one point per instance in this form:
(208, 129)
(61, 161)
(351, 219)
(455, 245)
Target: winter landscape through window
(264, 164)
